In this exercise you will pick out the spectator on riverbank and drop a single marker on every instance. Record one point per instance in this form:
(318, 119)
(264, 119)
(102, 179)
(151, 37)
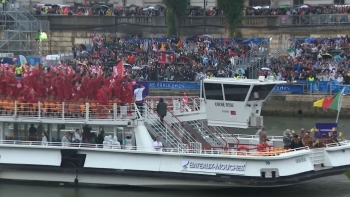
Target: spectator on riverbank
(326, 59)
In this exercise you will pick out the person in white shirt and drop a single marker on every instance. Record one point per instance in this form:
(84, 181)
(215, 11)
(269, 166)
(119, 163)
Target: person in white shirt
(44, 139)
(158, 145)
(138, 92)
(76, 138)
(66, 139)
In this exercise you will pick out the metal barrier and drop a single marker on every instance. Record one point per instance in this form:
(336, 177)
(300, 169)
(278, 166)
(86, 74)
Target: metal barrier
(65, 111)
(320, 19)
(180, 148)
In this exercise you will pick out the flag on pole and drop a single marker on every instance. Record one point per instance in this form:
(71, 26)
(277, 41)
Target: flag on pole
(333, 103)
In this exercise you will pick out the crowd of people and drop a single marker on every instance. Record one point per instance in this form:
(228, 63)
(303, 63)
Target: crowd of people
(322, 59)
(291, 140)
(297, 10)
(169, 59)
(110, 10)
(93, 73)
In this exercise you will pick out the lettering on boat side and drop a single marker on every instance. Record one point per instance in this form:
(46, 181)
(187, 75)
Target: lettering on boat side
(300, 160)
(238, 167)
(221, 104)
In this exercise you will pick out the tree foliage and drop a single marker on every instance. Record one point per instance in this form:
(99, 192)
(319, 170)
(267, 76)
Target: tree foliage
(233, 11)
(176, 12)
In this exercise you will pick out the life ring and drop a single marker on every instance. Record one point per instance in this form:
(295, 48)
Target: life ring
(243, 147)
(262, 147)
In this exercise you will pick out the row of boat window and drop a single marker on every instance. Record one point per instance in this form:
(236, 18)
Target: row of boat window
(229, 92)
(55, 132)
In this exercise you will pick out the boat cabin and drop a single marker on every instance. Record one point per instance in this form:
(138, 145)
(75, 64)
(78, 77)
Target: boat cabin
(234, 102)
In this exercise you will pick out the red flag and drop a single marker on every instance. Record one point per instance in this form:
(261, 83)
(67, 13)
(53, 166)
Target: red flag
(118, 70)
(131, 59)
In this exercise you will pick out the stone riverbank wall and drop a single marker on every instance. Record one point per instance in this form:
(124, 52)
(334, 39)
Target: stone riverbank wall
(280, 105)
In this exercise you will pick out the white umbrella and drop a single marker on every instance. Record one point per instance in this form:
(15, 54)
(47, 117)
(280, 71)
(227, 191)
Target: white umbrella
(136, 68)
(304, 6)
(264, 68)
(257, 7)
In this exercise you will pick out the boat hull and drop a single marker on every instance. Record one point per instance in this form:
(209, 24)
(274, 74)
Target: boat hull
(84, 177)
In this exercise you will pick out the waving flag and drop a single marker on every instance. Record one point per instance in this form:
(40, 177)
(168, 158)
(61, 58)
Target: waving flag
(333, 103)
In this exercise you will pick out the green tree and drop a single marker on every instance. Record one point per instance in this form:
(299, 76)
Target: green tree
(233, 11)
(176, 12)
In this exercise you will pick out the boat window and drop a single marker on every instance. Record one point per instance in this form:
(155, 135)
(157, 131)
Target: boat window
(260, 92)
(236, 92)
(213, 91)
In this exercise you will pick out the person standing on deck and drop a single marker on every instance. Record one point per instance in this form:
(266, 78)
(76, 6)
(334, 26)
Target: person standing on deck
(161, 109)
(138, 92)
(263, 136)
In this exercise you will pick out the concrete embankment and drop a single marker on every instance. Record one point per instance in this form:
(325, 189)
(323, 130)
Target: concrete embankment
(301, 105)
(279, 105)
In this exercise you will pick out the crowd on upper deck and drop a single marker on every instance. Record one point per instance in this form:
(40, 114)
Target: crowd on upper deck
(302, 10)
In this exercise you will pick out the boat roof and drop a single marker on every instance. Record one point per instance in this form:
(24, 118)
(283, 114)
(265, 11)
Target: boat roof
(242, 81)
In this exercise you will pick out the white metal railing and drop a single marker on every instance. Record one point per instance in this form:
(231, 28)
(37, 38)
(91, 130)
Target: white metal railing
(207, 134)
(229, 137)
(172, 124)
(66, 111)
(164, 129)
(178, 148)
(340, 143)
(179, 104)
(317, 156)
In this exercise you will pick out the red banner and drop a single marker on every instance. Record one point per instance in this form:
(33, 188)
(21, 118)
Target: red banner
(118, 70)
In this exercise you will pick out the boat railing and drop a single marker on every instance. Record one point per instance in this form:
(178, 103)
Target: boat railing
(341, 143)
(66, 111)
(185, 131)
(167, 130)
(236, 151)
(180, 148)
(253, 136)
(178, 105)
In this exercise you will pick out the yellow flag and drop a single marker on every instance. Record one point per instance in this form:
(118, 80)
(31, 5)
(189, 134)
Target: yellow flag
(293, 131)
(312, 130)
(340, 134)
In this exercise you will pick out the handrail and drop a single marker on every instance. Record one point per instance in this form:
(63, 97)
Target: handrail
(186, 128)
(231, 135)
(122, 148)
(182, 138)
(211, 128)
(138, 112)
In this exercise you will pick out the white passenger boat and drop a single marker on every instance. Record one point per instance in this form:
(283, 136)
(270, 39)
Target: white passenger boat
(200, 149)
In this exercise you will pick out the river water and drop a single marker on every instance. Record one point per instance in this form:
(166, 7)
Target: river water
(335, 186)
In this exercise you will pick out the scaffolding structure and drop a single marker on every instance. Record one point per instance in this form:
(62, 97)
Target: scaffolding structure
(20, 29)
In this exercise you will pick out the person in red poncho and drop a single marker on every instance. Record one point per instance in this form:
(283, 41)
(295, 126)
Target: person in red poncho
(40, 88)
(23, 94)
(102, 98)
(116, 91)
(78, 94)
(124, 93)
(52, 89)
(11, 84)
(59, 87)
(67, 86)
